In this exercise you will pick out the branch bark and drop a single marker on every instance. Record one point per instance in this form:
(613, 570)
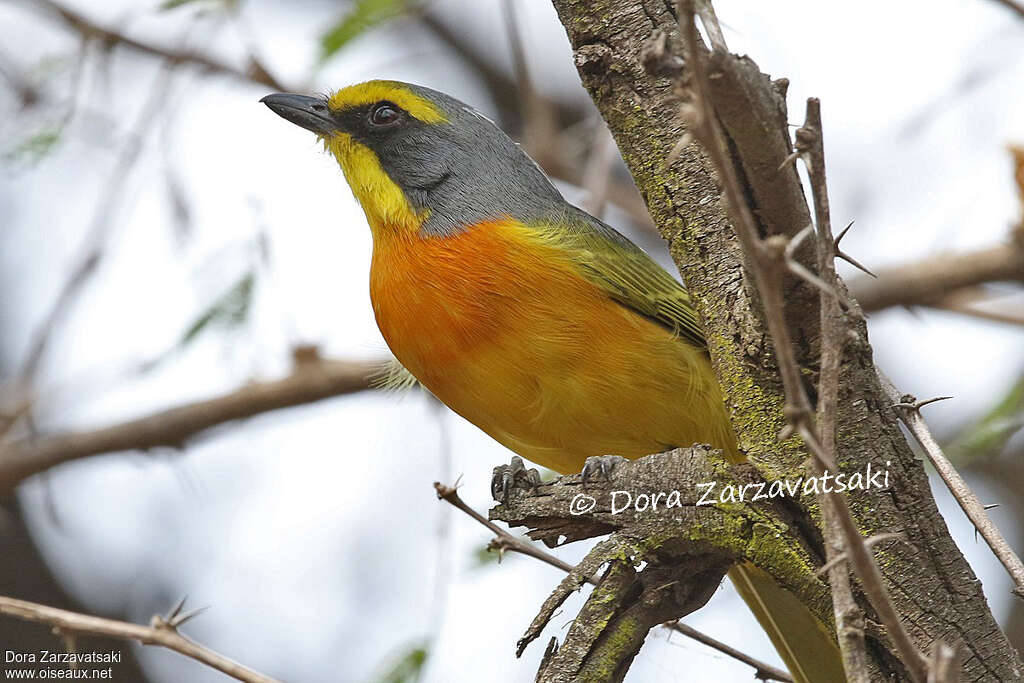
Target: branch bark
(931, 280)
(311, 380)
(161, 633)
(503, 541)
(933, 590)
(684, 546)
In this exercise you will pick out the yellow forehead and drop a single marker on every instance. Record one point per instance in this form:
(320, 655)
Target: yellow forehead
(392, 91)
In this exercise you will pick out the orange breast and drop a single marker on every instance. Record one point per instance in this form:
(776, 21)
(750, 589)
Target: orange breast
(504, 329)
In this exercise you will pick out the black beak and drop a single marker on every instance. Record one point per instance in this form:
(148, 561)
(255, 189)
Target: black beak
(309, 112)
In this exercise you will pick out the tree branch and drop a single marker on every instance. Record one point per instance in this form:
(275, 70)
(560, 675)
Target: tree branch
(929, 281)
(765, 261)
(504, 541)
(610, 39)
(849, 617)
(256, 72)
(162, 632)
(910, 414)
(667, 535)
(311, 380)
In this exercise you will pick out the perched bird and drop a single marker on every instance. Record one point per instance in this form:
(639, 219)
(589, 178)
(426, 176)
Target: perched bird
(532, 319)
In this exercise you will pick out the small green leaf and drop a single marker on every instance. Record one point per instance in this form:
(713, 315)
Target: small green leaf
(167, 5)
(485, 556)
(406, 668)
(361, 16)
(229, 310)
(37, 146)
(990, 434)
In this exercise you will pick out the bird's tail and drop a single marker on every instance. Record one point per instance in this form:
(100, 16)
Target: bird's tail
(804, 643)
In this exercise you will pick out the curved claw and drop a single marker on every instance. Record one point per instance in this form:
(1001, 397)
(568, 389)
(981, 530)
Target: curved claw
(507, 477)
(600, 464)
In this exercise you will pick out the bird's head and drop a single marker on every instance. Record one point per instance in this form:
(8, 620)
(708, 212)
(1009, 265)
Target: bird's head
(418, 159)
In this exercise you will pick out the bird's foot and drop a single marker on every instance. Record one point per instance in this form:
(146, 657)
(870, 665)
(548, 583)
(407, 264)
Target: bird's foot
(602, 465)
(508, 477)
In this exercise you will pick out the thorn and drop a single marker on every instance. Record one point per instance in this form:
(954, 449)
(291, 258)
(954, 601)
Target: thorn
(854, 262)
(807, 276)
(187, 616)
(175, 617)
(798, 269)
(176, 610)
(842, 234)
(989, 506)
(908, 402)
(839, 253)
(797, 240)
(789, 161)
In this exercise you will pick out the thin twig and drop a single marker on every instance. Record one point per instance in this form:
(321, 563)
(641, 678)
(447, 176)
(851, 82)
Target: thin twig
(910, 413)
(848, 615)
(504, 90)
(94, 244)
(540, 127)
(310, 381)
(762, 671)
(86, 27)
(504, 541)
(766, 262)
(1013, 6)
(163, 632)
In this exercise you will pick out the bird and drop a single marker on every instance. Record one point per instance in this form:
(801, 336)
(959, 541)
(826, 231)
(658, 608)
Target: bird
(535, 321)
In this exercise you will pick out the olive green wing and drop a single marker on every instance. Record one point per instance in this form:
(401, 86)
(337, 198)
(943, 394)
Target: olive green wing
(628, 274)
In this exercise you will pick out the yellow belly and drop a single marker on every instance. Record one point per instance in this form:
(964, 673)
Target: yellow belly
(510, 336)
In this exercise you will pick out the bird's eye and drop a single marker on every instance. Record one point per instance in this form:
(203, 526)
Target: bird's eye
(384, 114)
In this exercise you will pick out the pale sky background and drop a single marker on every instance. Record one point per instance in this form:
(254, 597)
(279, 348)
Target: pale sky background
(314, 533)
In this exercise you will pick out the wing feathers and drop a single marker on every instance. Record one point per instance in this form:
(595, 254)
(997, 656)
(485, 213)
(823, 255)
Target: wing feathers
(625, 272)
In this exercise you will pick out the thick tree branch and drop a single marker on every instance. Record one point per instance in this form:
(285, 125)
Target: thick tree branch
(311, 380)
(686, 547)
(503, 542)
(930, 584)
(162, 632)
(766, 262)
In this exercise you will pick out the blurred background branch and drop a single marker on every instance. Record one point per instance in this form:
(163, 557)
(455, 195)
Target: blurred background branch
(313, 379)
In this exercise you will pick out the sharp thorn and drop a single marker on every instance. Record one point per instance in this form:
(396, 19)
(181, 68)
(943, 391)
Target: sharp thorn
(842, 234)
(187, 616)
(853, 262)
(176, 610)
(788, 161)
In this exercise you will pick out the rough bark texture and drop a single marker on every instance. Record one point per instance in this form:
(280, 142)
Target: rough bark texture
(684, 549)
(933, 588)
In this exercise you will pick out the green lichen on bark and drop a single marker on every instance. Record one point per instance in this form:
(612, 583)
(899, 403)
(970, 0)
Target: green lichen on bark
(931, 585)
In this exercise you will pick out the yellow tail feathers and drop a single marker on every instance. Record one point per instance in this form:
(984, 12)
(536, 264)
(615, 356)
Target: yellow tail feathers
(805, 645)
